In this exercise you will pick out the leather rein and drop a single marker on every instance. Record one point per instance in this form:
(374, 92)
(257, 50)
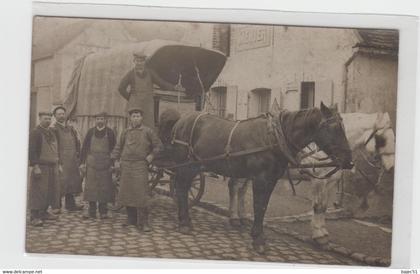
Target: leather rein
(274, 127)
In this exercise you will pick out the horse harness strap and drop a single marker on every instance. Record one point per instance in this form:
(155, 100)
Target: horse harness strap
(188, 144)
(228, 146)
(281, 139)
(273, 126)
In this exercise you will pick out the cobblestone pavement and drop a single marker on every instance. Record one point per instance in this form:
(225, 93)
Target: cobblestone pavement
(212, 239)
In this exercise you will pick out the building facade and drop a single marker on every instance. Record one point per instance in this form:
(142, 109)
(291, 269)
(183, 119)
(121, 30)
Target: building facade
(298, 67)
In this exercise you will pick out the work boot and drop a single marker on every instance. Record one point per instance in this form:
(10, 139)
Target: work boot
(131, 216)
(75, 208)
(56, 211)
(70, 203)
(48, 216)
(103, 211)
(36, 222)
(88, 215)
(144, 220)
(103, 216)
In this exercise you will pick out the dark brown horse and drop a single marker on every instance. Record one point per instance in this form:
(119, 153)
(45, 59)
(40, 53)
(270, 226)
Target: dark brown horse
(197, 140)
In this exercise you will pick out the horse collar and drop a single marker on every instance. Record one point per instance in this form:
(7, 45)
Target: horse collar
(281, 139)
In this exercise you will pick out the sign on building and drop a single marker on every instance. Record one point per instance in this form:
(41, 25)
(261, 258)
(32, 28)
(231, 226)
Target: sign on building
(251, 37)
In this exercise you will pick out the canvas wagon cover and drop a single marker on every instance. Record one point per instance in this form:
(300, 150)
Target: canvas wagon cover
(94, 85)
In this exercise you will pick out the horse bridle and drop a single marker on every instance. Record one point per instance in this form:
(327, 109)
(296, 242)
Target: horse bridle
(373, 134)
(324, 123)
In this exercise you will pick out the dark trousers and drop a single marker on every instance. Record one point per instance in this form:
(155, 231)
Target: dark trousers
(137, 215)
(103, 209)
(131, 215)
(69, 201)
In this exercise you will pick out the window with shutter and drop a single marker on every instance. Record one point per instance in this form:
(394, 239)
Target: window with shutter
(218, 99)
(262, 98)
(307, 95)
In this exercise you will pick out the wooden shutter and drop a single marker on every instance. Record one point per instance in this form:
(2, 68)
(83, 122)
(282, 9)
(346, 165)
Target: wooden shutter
(231, 102)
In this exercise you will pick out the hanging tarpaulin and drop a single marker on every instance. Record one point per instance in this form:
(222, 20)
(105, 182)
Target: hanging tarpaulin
(94, 85)
(102, 72)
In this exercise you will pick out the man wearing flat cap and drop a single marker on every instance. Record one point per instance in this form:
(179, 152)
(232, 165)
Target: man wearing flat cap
(140, 94)
(135, 149)
(69, 151)
(96, 164)
(44, 188)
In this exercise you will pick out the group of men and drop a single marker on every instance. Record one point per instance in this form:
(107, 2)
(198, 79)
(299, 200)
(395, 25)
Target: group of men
(60, 162)
(53, 153)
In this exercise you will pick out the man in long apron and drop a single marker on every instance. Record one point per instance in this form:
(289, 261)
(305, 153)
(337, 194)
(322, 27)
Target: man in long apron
(140, 95)
(136, 148)
(96, 165)
(69, 151)
(44, 188)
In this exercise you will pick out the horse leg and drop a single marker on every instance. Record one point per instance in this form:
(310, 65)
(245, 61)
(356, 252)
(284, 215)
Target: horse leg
(338, 203)
(241, 200)
(233, 185)
(262, 189)
(183, 180)
(319, 205)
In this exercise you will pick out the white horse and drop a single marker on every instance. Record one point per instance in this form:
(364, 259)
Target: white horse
(371, 132)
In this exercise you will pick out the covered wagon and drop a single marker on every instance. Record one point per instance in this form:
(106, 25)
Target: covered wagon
(93, 87)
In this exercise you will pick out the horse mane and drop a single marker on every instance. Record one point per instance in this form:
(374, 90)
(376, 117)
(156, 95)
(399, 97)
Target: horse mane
(309, 115)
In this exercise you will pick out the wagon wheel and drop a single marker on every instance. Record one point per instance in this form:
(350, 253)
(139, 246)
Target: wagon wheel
(155, 176)
(116, 206)
(196, 191)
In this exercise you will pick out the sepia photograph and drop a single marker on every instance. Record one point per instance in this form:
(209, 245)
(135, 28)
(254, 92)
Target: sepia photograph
(212, 141)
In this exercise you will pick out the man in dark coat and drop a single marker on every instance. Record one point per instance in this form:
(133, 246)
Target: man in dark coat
(96, 165)
(69, 151)
(140, 95)
(44, 188)
(136, 148)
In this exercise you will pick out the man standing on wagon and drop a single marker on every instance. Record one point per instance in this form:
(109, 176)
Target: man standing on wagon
(141, 79)
(96, 165)
(44, 189)
(69, 151)
(136, 148)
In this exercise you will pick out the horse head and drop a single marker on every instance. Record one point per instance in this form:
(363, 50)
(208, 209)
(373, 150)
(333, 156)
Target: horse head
(331, 138)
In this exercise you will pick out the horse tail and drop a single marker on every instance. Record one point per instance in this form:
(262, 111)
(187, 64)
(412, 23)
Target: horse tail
(167, 120)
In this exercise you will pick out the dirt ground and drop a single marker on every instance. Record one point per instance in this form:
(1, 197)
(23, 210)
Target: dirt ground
(369, 240)
(352, 235)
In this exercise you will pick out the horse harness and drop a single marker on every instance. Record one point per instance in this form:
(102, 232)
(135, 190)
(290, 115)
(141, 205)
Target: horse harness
(274, 127)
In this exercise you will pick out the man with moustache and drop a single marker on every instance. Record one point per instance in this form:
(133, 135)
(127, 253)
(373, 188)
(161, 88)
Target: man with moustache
(135, 149)
(44, 189)
(140, 95)
(96, 165)
(69, 151)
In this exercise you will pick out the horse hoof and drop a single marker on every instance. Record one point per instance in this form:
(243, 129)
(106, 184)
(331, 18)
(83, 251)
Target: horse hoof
(322, 241)
(235, 223)
(185, 230)
(260, 249)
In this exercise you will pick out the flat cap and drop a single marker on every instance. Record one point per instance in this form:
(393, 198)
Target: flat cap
(140, 55)
(135, 110)
(44, 113)
(57, 108)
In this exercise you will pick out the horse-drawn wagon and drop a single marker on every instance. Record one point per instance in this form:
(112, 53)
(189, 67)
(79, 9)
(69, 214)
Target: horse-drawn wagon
(93, 88)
